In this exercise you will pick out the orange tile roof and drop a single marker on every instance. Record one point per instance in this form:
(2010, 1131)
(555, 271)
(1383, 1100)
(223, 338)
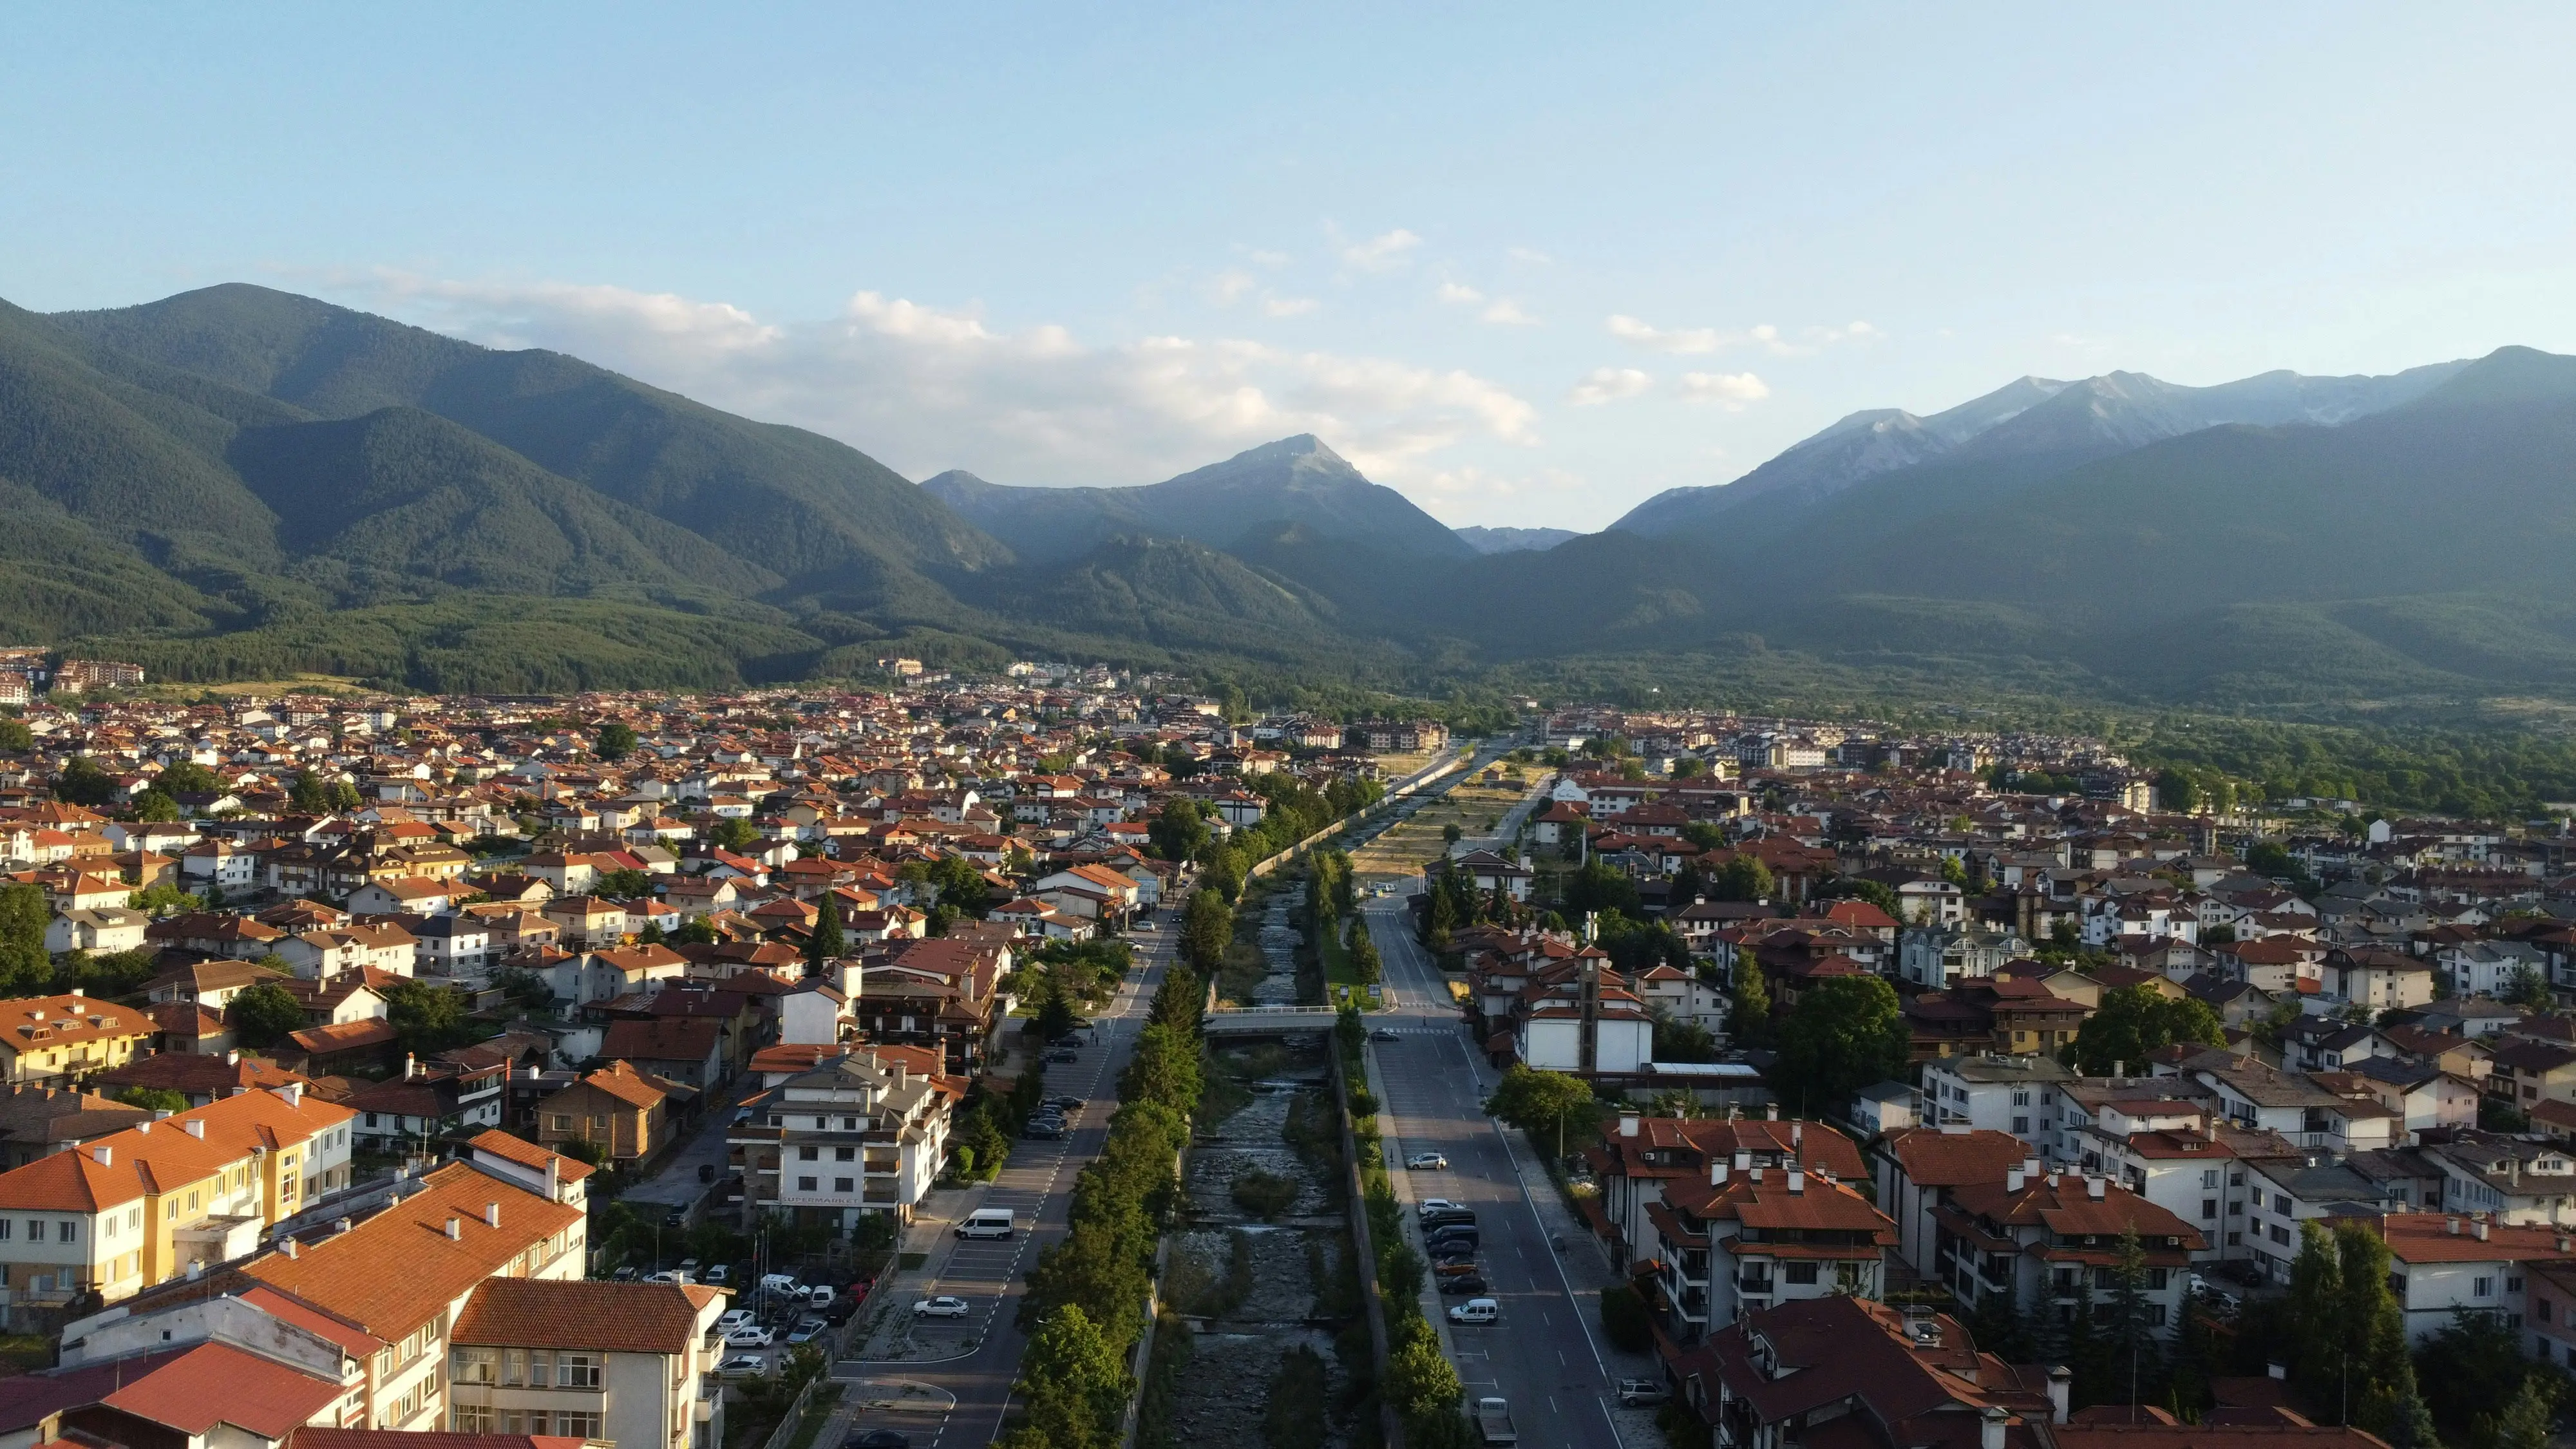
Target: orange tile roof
(43, 1023)
(216, 1383)
(1934, 1158)
(395, 1271)
(528, 1154)
(154, 1157)
(615, 1317)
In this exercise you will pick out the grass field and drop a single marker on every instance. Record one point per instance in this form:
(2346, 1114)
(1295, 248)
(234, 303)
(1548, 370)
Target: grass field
(1401, 850)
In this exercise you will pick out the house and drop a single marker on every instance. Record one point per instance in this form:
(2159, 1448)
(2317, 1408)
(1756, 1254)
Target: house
(620, 1111)
(100, 929)
(1916, 1169)
(123, 1212)
(427, 895)
(1848, 1372)
(2037, 1241)
(247, 1391)
(68, 1037)
(685, 1049)
(2445, 1264)
(37, 1121)
(1641, 1155)
(858, 1134)
(2014, 1093)
(200, 1079)
(1730, 1243)
(427, 1105)
(619, 1362)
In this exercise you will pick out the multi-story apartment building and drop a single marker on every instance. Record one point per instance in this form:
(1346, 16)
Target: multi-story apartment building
(1731, 1243)
(1646, 1156)
(160, 1199)
(630, 1363)
(2015, 1094)
(851, 1136)
(67, 1037)
(2040, 1241)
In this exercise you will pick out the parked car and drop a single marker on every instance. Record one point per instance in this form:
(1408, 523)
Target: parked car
(841, 1310)
(1064, 1054)
(718, 1276)
(1464, 1283)
(1427, 1162)
(750, 1335)
(1448, 1218)
(819, 1296)
(1430, 1205)
(1476, 1310)
(666, 1276)
(625, 1274)
(1066, 1104)
(744, 1366)
(1040, 1128)
(706, 1172)
(1454, 1268)
(732, 1320)
(689, 1269)
(1641, 1393)
(807, 1330)
(943, 1306)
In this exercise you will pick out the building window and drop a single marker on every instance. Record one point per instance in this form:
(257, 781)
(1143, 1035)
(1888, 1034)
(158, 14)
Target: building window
(844, 1184)
(475, 1366)
(805, 1184)
(1801, 1272)
(845, 1154)
(576, 1370)
(573, 1424)
(808, 1154)
(470, 1419)
(2482, 1288)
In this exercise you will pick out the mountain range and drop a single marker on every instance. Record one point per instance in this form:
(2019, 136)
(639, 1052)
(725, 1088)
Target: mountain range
(238, 482)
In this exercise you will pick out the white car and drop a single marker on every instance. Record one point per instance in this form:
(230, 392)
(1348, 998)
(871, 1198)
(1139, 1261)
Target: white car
(734, 1319)
(750, 1335)
(942, 1306)
(744, 1366)
(1427, 1161)
(1430, 1205)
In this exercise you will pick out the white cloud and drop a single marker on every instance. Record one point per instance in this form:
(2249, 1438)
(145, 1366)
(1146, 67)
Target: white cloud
(1507, 313)
(1383, 252)
(925, 388)
(1531, 255)
(1261, 258)
(1229, 287)
(1460, 294)
(1729, 390)
(1608, 384)
(1806, 343)
(1287, 306)
(1629, 329)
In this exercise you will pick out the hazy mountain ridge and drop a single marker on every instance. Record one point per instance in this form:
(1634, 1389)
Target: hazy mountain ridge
(1514, 540)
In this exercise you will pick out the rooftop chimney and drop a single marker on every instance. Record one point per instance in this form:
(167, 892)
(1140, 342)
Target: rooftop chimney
(1797, 1180)
(2097, 1188)
(196, 1269)
(293, 1092)
(340, 1225)
(1627, 1124)
(106, 1157)
(1990, 1434)
(2061, 1388)
(2482, 1231)
(2030, 1167)
(232, 1059)
(195, 1127)
(160, 1112)
(1716, 1172)
(289, 1247)
(2451, 1226)
(1743, 1160)
(2014, 1179)
(455, 1227)
(1771, 1113)
(1797, 1134)
(492, 1214)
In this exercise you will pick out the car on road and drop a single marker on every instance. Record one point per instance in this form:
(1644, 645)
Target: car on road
(1642, 1393)
(1457, 1267)
(1064, 1054)
(1386, 1033)
(1494, 1421)
(807, 1330)
(1067, 1103)
(1427, 1162)
(1476, 1310)
(1041, 1128)
(1430, 1205)
(742, 1366)
(751, 1335)
(1448, 1218)
(878, 1439)
(1451, 1287)
(943, 1306)
(1456, 1238)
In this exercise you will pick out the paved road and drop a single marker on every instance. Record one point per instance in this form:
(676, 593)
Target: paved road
(990, 1274)
(1544, 1355)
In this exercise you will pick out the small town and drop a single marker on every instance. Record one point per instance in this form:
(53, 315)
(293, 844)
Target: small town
(685, 1070)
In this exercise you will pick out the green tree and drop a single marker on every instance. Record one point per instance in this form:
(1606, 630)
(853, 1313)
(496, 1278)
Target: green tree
(733, 832)
(824, 944)
(153, 1099)
(264, 1015)
(1743, 879)
(15, 736)
(308, 794)
(1073, 1381)
(1846, 1033)
(2134, 1021)
(2525, 1422)
(1420, 1384)
(152, 805)
(2530, 989)
(1624, 1319)
(1854, 888)
(1179, 831)
(1207, 928)
(616, 740)
(1601, 886)
(426, 1018)
(1749, 1019)
(1540, 1102)
(82, 782)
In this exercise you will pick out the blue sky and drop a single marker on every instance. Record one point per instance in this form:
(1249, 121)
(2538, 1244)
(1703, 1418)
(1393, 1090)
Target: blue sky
(1529, 264)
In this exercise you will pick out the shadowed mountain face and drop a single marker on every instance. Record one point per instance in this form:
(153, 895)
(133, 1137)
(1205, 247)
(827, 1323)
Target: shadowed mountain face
(242, 483)
(1295, 480)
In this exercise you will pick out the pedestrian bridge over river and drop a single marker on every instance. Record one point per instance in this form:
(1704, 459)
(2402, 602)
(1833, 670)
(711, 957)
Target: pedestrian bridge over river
(1266, 1020)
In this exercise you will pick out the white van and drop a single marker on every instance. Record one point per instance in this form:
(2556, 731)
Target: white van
(1476, 1310)
(988, 1223)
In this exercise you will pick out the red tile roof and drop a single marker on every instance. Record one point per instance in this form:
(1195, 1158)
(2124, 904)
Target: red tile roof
(615, 1317)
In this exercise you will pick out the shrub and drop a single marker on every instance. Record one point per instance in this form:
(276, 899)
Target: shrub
(1623, 1319)
(1265, 1195)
